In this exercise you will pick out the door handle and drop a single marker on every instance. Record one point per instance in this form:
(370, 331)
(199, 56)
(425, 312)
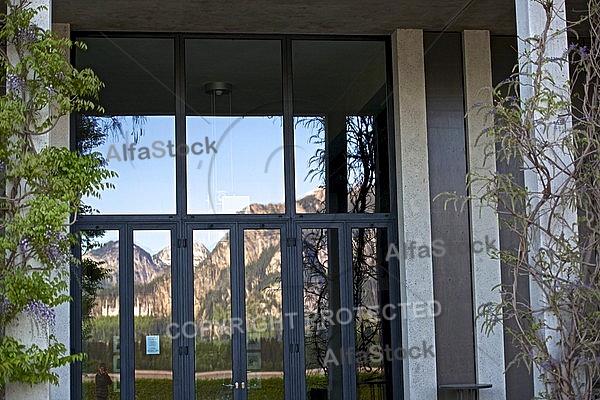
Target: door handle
(235, 385)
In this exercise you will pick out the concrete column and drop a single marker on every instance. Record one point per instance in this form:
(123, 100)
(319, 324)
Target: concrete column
(60, 137)
(489, 350)
(43, 20)
(531, 20)
(28, 332)
(414, 219)
(25, 328)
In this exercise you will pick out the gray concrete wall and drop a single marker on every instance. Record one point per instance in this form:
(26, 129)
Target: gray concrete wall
(452, 271)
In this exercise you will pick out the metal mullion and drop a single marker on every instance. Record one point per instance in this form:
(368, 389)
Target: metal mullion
(237, 309)
(180, 127)
(121, 35)
(325, 219)
(288, 128)
(347, 302)
(289, 303)
(321, 219)
(236, 218)
(186, 301)
(118, 219)
(152, 226)
(185, 297)
(396, 325)
(391, 129)
(203, 226)
(227, 36)
(296, 296)
(385, 225)
(231, 36)
(262, 225)
(76, 323)
(126, 281)
(293, 339)
(183, 386)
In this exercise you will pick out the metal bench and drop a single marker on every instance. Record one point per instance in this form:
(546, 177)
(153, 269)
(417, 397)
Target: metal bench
(465, 391)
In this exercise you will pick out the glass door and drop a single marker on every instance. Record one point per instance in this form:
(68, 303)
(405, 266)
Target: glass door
(126, 277)
(98, 276)
(263, 314)
(212, 326)
(152, 273)
(236, 328)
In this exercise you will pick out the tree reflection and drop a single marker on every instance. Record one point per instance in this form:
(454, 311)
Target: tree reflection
(356, 161)
(350, 152)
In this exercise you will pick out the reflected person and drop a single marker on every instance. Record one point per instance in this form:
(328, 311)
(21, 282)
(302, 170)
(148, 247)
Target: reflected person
(103, 381)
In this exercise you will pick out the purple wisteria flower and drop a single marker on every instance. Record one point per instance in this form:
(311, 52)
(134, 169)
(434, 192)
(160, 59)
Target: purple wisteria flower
(26, 35)
(24, 245)
(53, 251)
(41, 313)
(5, 305)
(14, 83)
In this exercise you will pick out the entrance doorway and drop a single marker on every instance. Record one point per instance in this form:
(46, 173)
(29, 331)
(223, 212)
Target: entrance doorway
(241, 311)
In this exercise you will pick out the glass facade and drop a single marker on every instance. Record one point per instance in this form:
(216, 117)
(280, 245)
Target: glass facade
(248, 223)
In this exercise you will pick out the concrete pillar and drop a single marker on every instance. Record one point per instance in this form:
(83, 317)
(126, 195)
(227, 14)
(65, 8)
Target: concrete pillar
(60, 137)
(414, 219)
(25, 328)
(43, 20)
(489, 350)
(28, 332)
(531, 20)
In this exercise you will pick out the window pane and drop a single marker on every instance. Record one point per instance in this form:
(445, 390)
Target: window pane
(135, 134)
(340, 119)
(138, 74)
(145, 163)
(100, 313)
(152, 314)
(264, 319)
(371, 294)
(322, 335)
(212, 313)
(233, 96)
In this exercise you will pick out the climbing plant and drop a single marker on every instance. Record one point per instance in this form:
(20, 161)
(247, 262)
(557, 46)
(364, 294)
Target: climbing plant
(550, 129)
(41, 188)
